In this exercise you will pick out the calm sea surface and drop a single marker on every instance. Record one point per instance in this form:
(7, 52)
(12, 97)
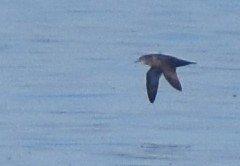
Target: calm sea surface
(71, 94)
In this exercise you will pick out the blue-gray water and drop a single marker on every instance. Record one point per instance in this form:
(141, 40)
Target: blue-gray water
(71, 94)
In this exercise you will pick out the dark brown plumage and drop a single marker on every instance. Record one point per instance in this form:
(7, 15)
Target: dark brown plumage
(161, 64)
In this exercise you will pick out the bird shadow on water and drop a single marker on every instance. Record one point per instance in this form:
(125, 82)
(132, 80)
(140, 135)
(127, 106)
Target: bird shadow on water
(154, 152)
(165, 151)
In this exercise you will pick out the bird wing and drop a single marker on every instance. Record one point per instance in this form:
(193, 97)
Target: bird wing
(153, 76)
(170, 74)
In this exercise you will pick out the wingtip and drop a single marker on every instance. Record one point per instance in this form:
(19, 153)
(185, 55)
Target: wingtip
(179, 88)
(151, 101)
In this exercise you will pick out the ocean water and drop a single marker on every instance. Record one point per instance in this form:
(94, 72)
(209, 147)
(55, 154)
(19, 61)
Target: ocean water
(71, 94)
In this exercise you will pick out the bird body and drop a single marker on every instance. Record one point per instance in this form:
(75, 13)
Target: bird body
(161, 64)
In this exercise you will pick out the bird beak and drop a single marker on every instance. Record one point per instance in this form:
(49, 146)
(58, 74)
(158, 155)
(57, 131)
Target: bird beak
(137, 61)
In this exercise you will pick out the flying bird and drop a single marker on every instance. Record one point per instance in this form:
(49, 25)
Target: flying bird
(161, 64)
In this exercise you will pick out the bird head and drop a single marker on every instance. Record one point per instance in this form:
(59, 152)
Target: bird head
(146, 59)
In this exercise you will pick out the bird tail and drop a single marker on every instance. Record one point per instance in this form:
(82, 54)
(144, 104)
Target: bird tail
(180, 63)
